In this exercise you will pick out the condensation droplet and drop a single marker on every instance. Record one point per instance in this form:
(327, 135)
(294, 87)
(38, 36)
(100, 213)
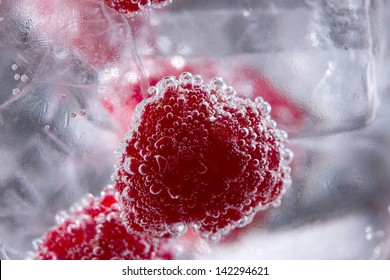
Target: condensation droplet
(17, 77)
(14, 67)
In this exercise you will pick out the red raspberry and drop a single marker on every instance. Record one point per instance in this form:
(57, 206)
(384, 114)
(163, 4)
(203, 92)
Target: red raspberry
(199, 156)
(132, 7)
(96, 231)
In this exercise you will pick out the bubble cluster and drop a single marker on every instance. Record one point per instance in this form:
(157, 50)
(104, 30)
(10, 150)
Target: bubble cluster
(94, 230)
(199, 156)
(130, 8)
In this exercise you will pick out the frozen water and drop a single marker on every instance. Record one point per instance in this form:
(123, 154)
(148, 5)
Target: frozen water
(67, 68)
(49, 160)
(307, 48)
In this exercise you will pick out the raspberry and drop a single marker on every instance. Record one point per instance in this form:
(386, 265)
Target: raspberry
(199, 156)
(121, 97)
(96, 231)
(133, 7)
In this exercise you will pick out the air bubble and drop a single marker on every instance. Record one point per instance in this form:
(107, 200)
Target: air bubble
(73, 114)
(259, 100)
(17, 77)
(218, 84)
(142, 169)
(167, 108)
(186, 79)
(202, 168)
(61, 217)
(287, 156)
(282, 135)
(244, 132)
(24, 78)
(276, 203)
(230, 90)
(172, 194)
(128, 193)
(62, 95)
(162, 141)
(15, 91)
(195, 225)
(47, 128)
(98, 251)
(215, 237)
(267, 107)
(36, 243)
(177, 228)
(152, 90)
(14, 67)
(130, 165)
(162, 163)
(167, 83)
(83, 112)
(155, 189)
(198, 80)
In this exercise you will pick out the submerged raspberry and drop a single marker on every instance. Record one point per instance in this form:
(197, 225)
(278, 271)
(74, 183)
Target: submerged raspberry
(96, 231)
(132, 7)
(199, 156)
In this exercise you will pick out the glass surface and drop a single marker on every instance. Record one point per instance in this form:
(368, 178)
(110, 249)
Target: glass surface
(72, 73)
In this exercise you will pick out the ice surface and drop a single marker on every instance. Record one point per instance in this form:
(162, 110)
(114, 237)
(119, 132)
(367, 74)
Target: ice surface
(67, 68)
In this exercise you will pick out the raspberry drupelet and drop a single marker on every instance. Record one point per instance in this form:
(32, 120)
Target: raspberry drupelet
(199, 156)
(96, 231)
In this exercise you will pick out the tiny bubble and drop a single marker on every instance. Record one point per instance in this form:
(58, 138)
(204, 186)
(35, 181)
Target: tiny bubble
(73, 114)
(14, 67)
(83, 112)
(47, 128)
(62, 95)
(17, 77)
(15, 91)
(24, 78)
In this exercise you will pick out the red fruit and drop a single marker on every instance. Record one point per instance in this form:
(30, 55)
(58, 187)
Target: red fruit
(132, 7)
(96, 231)
(199, 156)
